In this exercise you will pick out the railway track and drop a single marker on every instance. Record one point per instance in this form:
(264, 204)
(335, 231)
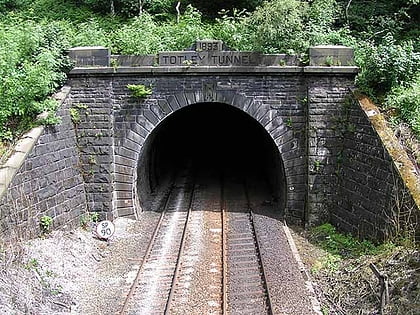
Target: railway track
(152, 289)
(241, 287)
(245, 286)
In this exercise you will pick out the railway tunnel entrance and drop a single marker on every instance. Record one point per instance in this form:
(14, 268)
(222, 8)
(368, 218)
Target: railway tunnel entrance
(212, 140)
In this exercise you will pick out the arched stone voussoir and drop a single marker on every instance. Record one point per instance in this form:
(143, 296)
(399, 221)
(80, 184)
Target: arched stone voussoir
(274, 124)
(175, 102)
(135, 137)
(151, 116)
(145, 123)
(240, 101)
(261, 113)
(226, 97)
(190, 98)
(253, 109)
(165, 107)
(199, 97)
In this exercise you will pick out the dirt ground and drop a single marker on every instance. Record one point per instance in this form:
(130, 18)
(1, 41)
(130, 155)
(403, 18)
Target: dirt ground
(349, 286)
(73, 272)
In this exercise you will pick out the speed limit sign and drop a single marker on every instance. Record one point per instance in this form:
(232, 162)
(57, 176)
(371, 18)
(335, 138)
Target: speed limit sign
(105, 229)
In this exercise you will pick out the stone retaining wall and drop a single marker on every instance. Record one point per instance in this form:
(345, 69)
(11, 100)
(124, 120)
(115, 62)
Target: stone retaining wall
(371, 198)
(42, 177)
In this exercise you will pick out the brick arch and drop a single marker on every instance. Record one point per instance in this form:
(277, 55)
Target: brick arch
(139, 134)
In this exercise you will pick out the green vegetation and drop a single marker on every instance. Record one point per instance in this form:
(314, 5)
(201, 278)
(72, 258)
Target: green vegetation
(88, 218)
(75, 112)
(44, 276)
(32, 264)
(406, 100)
(342, 271)
(34, 37)
(45, 224)
(339, 244)
(139, 91)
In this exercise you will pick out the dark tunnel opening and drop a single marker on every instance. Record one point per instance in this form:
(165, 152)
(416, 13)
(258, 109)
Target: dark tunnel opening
(212, 138)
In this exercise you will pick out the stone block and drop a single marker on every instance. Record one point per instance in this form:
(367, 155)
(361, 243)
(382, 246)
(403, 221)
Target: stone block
(133, 61)
(90, 56)
(331, 56)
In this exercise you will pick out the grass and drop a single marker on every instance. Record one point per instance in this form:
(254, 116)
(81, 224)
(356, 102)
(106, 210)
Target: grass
(340, 266)
(341, 245)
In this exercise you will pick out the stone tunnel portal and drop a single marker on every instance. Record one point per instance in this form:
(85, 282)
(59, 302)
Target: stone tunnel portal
(215, 139)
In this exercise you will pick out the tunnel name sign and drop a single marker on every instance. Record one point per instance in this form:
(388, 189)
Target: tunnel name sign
(209, 53)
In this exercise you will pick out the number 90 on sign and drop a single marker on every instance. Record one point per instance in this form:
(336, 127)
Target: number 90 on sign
(105, 229)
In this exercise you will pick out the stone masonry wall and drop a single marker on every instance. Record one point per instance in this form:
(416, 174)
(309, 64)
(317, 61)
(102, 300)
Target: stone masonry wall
(91, 102)
(335, 166)
(371, 200)
(273, 101)
(284, 104)
(48, 183)
(325, 98)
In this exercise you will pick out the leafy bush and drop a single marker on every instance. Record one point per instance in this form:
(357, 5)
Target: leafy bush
(9, 5)
(407, 101)
(387, 65)
(139, 91)
(54, 10)
(233, 30)
(146, 36)
(45, 224)
(32, 65)
(139, 37)
(278, 25)
(178, 36)
(89, 33)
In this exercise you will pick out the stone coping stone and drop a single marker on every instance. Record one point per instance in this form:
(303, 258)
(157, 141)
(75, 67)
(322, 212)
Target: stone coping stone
(331, 56)
(23, 147)
(90, 56)
(210, 53)
(192, 58)
(225, 70)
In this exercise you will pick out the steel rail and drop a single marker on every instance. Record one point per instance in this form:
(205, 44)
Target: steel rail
(147, 253)
(180, 252)
(258, 246)
(224, 247)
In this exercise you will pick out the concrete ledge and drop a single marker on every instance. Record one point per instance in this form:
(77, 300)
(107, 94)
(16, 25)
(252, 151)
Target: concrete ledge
(23, 147)
(199, 70)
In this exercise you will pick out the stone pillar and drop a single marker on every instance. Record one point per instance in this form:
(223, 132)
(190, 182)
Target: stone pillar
(330, 77)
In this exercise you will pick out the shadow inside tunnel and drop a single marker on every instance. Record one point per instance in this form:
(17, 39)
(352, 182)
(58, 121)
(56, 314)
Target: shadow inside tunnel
(216, 144)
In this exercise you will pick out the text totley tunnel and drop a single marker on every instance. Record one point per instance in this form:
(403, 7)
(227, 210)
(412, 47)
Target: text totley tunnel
(214, 139)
